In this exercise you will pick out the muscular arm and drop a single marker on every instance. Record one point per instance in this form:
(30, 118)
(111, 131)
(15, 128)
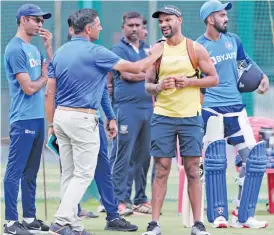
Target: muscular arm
(206, 66)
(28, 86)
(150, 85)
(133, 77)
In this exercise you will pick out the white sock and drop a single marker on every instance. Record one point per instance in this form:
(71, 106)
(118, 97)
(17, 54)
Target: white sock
(11, 222)
(28, 220)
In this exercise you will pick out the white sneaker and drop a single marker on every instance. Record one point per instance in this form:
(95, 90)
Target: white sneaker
(234, 220)
(250, 223)
(101, 209)
(220, 222)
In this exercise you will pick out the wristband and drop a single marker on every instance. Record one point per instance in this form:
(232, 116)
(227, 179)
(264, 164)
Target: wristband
(50, 125)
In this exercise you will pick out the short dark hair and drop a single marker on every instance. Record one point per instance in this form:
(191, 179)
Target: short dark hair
(70, 20)
(131, 15)
(144, 21)
(81, 18)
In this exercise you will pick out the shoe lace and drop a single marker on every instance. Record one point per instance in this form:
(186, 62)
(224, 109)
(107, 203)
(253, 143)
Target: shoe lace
(199, 225)
(19, 226)
(124, 221)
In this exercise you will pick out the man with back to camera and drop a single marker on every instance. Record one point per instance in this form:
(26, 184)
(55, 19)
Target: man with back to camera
(77, 77)
(225, 116)
(102, 175)
(26, 72)
(177, 113)
(133, 106)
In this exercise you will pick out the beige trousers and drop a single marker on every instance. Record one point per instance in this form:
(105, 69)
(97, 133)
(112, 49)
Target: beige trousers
(78, 139)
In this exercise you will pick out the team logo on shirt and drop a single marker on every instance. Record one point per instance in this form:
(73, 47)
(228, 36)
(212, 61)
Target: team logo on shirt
(221, 58)
(229, 45)
(123, 129)
(34, 63)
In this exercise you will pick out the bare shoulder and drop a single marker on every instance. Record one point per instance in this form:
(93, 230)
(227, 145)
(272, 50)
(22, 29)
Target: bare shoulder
(200, 50)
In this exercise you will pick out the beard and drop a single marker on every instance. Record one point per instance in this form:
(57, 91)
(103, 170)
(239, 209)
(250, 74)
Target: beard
(220, 29)
(168, 35)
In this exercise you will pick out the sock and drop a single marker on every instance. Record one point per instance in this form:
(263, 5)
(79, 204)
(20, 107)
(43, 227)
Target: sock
(28, 220)
(11, 222)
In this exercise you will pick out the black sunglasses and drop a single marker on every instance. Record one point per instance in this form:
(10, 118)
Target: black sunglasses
(37, 19)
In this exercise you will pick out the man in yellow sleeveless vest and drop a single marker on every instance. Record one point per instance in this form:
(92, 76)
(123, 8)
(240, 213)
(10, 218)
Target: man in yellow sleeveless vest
(177, 114)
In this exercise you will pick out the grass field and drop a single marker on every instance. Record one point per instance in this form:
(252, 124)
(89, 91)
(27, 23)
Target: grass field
(170, 222)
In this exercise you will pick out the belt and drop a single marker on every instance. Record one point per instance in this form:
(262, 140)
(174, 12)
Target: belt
(82, 110)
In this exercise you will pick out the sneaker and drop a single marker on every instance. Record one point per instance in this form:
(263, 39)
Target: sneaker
(123, 210)
(144, 208)
(153, 228)
(220, 222)
(199, 229)
(84, 232)
(57, 229)
(128, 204)
(85, 214)
(101, 209)
(120, 224)
(37, 226)
(250, 223)
(16, 228)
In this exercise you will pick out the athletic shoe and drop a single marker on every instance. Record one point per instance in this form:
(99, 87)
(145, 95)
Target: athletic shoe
(85, 214)
(153, 228)
(101, 209)
(84, 232)
(123, 210)
(220, 222)
(128, 204)
(250, 223)
(16, 228)
(37, 226)
(144, 208)
(57, 229)
(199, 229)
(120, 224)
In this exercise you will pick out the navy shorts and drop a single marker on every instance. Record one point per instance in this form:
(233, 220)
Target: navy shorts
(164, 133)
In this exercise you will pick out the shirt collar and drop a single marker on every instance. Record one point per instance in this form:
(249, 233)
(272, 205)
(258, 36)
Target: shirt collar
(75, 38)
(123, 40)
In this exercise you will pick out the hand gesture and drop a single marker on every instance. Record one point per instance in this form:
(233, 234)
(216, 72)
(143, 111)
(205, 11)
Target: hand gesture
(47, 37)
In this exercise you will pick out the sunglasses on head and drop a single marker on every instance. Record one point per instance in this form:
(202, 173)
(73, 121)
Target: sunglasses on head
(37, 19)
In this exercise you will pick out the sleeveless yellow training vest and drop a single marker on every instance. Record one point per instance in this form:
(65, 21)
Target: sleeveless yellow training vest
(174, 102)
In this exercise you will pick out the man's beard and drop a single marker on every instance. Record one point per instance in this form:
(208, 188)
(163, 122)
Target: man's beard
(169, 35)
(220, 29)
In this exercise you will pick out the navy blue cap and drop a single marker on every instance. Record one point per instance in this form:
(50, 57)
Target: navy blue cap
(29, 9)
(213, 6)
(170, 10)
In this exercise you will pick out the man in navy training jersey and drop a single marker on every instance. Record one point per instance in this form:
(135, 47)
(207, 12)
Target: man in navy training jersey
(130, 154)
(77, 78)
(26, 71)
(225, 117)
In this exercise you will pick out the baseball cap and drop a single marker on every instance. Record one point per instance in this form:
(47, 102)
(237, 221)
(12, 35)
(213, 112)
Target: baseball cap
(213, 6)
(170, 10)
(29, 9)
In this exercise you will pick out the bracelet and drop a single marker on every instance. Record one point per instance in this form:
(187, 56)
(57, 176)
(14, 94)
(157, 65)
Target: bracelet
(50, 125)
(156, 89)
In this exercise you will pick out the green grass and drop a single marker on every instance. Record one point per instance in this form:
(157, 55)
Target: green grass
(171, 223)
